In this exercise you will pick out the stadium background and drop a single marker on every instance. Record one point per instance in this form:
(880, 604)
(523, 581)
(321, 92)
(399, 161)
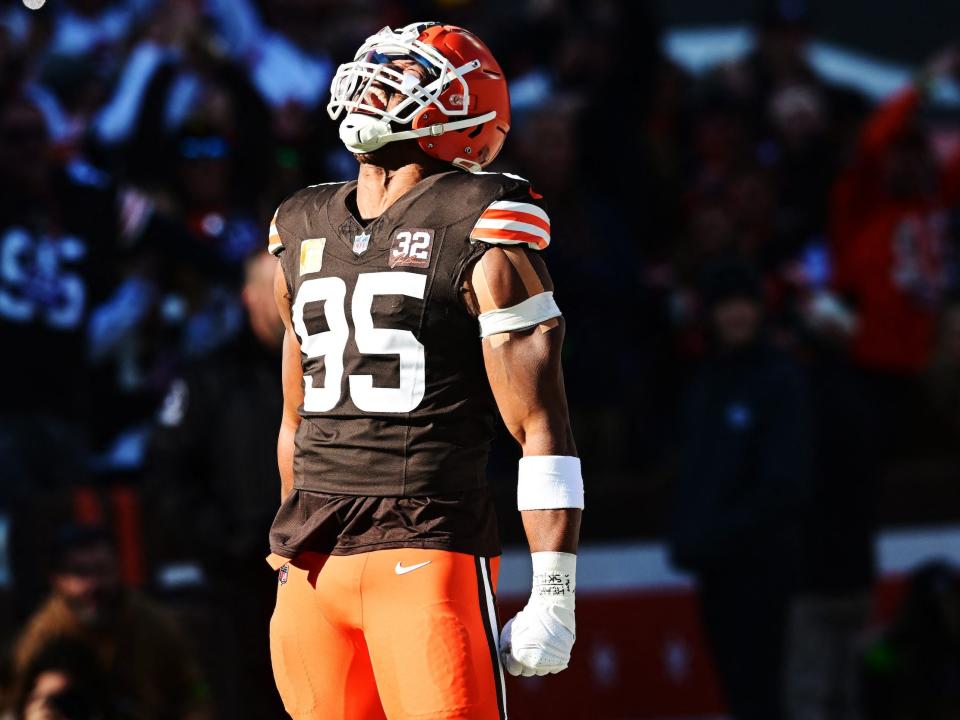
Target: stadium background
(682, 147)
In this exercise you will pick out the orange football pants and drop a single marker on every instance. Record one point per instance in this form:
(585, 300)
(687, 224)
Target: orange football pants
(401, 633)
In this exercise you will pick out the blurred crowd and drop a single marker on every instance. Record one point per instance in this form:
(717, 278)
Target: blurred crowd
(758, 270)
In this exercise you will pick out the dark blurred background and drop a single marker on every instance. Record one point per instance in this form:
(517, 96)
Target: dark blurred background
(755, 213)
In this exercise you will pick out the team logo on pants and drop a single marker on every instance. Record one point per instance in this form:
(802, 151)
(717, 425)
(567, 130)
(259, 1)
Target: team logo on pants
(283, 574)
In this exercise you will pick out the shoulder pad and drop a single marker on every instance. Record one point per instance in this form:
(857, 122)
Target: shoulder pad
(300, 201)
(310, 195)
(516, 215)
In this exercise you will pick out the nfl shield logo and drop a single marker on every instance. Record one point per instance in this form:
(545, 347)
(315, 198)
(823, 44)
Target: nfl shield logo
(360, 243)
(283, 574)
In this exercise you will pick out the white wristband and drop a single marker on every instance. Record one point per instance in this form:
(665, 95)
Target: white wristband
(549, 482)
(554, 578)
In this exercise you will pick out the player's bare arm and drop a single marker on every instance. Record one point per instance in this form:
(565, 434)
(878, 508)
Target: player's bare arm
(292, 378)
(525, 374)
(527, 381)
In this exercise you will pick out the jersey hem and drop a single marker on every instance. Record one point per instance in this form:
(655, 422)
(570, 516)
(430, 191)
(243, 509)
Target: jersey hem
(291, 553)
(416, 493)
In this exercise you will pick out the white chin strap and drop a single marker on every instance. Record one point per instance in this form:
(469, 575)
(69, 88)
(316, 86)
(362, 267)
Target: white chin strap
(363, 133)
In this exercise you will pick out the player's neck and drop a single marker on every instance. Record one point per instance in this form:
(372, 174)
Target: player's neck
(388, 174)
(378, 188)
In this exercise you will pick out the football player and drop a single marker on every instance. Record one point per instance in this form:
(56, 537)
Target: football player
(416, 305)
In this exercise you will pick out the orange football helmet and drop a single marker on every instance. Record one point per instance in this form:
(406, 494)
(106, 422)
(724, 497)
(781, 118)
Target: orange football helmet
(458, 113)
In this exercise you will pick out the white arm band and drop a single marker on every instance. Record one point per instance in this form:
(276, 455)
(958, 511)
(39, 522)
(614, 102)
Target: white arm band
(532, 311)
(549, 482)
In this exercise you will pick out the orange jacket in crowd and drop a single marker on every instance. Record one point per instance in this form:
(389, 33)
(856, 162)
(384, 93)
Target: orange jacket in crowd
(890, 250)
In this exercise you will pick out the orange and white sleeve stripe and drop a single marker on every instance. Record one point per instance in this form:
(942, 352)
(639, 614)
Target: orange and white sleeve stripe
(274, 244)
(506, 222)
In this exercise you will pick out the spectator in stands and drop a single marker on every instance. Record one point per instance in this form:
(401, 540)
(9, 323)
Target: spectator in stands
(144, 659)
(890, 236)
(911, 669)
(829, 614)
(212, 488)
(783, 32)
(213, 452)
(922, 486)
(63, 682)
(941, 388)
(745, 471)
(56, 232)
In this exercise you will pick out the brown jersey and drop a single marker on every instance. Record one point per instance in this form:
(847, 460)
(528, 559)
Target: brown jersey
(396, 400)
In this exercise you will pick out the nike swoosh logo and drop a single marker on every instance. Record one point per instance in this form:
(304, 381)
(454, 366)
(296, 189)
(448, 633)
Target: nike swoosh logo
(401, 570)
